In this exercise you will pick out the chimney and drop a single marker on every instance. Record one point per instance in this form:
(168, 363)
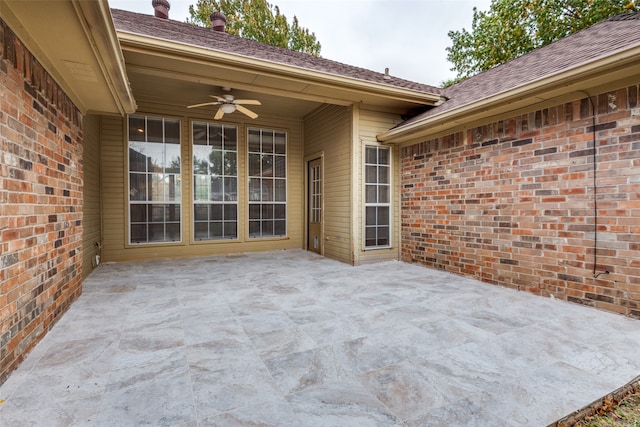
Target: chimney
(161, 8)
(218, 21)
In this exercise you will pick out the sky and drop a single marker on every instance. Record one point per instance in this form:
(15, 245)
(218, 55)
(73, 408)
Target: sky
(407, 36)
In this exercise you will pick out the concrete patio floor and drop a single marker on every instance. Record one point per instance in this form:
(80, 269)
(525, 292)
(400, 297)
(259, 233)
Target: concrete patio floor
(292, 339)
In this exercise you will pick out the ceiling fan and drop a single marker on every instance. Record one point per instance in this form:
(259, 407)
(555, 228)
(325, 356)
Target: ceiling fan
(228, 104)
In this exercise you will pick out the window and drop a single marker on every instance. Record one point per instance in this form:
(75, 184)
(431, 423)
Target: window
(267, 183)
(215, 181)
(154, 180)
(377, 197)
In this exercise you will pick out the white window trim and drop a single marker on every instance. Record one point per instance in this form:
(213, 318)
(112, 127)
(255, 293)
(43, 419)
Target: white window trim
(365, 204)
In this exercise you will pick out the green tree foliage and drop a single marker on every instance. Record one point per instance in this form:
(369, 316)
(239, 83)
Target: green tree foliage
(514, 27)
(257, 20)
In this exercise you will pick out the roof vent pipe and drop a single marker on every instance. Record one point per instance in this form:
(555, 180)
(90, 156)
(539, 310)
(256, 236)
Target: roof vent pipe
(386, 74)
(161, 8)
(218, 21)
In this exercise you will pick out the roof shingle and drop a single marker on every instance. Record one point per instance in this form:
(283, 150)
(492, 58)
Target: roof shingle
(181, 32)
(603, 39)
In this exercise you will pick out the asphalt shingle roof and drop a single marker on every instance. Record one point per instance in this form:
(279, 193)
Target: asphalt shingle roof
(167, 29)
(598, 41)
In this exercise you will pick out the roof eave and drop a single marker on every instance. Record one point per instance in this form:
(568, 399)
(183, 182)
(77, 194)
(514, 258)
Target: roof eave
(277, 69)
(101, 32)
(579, 79)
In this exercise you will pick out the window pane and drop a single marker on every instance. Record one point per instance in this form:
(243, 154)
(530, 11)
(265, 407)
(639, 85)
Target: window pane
(201, 159)
(267, 211)
(383, 156)
(156, 212)
(371, 155)
(216, 211)
(383, 175)
(254, 140)
(371, 174)
(280, 211)
(215, 230)
(230, 230)
(137, 186)
(383, 196)
(136, 128)
(201, 230)
(371, 194)
(230, 212)
(231, 189)
(138, 213)
(383, 236)
(172, 132)
(230, 163)
(254, 228)
(230, 138)
(156, 233)
(254, 211)
(280, 228)
(280, 167)
(267, 190)
(280, 190)
(138, 233)
(201, 187)
(267, 165)
(156, 192)
(371, 216)
(173, 231)
(215, 159)
(280, 143)
(254, 165)
(173, 188)
(254, 189)
(137, 160)
(383, 216)
(201, 212)
(215, 136)
(267, 141)
(155, 132)
(267, 228)
(199, 134)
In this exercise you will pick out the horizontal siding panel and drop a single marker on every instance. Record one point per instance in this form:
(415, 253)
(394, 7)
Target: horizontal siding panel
(328, 130)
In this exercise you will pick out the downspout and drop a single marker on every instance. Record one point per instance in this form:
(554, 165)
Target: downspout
(595, 191)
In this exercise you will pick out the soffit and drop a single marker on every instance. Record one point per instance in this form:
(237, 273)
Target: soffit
(152, 65)
(75, 41)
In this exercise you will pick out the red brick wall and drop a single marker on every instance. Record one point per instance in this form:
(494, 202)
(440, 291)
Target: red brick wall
(512, 203)
(40, 201)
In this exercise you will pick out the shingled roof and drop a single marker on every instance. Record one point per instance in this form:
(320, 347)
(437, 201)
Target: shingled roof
(601, 40)
(188, 34)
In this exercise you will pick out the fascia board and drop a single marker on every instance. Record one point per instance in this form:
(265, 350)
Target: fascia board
(534, 91)
(284, 71)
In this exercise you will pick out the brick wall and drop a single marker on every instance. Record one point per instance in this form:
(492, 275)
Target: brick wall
(40, 201)
(512, 203)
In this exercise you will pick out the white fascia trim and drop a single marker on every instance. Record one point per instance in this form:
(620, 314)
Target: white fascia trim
(567, 78)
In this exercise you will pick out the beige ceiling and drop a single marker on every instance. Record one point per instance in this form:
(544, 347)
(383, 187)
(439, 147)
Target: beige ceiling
(76, 43)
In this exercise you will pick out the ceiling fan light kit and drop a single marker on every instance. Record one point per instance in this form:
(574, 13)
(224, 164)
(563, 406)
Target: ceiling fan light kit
(228, 104)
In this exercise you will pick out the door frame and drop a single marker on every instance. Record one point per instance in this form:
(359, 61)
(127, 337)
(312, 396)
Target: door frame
(307, 161)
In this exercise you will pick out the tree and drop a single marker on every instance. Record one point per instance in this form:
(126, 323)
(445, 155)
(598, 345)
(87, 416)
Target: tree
(514, 27)
(257, 20)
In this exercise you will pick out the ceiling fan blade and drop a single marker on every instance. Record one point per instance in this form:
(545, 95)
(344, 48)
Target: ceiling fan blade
(248, 101)
(218, 97)
(203, 104)
(246, 111)
(219, 114)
